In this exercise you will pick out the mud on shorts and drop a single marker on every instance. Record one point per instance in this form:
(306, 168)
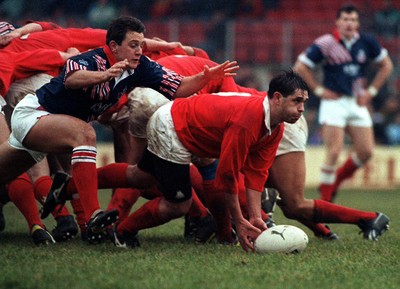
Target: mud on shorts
(166, 158)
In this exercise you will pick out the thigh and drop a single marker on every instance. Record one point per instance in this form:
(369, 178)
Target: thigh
(173, 179)
(362, 138)
(13, 162)
(333, 137)
(58, 133)
(288, 175)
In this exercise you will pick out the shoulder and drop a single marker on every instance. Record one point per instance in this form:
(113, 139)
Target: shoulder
(326, 39)
(368, 38)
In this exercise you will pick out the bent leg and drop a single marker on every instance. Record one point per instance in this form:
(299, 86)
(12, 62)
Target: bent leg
(288, 175)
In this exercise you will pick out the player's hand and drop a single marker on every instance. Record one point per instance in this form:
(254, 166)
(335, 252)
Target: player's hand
(73, 51)
(247, 234)
(259, 223)
(228, 68)
(364, 98)
(7, 38)
(329, 94)
(117, 69)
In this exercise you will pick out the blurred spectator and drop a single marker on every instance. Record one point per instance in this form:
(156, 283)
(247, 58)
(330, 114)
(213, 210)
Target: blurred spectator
(385, 117)
(136, 8)
(161, 8)
(387, 20)
(11, 9)
(101, 13)
(216, 33)
(246, 77)
(251, 9)
(393, 131)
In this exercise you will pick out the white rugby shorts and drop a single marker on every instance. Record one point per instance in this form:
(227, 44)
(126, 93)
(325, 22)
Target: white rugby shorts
(24, 117)
(162, 139)
(294, 137)
(343, 112)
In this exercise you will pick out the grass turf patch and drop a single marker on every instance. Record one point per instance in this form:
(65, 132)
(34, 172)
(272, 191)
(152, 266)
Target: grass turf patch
(166, 260)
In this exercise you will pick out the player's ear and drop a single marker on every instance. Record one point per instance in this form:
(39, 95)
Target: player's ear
(113, 46)
(277, 97)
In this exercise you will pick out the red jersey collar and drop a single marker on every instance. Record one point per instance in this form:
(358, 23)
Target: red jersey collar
(110, 55)
(336, 34)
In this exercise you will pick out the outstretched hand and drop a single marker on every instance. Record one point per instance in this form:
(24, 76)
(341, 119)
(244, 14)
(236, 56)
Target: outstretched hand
(228, 68)
(247, 234)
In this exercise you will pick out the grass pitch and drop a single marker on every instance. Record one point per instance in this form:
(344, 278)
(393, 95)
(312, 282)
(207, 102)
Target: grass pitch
(166, 260)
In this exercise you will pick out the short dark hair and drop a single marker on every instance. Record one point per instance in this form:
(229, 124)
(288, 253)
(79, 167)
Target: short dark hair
(119, 27)
(349, 8)
(287, 83)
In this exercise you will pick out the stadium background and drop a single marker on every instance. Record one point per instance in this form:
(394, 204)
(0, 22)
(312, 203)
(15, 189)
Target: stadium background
(264, 36)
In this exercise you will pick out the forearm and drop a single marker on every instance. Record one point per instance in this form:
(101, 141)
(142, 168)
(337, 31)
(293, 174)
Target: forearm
(307, 74)
(253, 203)
(384, 71)
(191, 84)
(232, 202)
(29, 28)
(85, 78)
(157, 45)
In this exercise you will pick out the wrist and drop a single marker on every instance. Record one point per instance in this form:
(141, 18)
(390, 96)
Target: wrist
(319, 91)
(372, 90)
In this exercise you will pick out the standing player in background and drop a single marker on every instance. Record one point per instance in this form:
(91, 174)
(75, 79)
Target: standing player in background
(345, 56)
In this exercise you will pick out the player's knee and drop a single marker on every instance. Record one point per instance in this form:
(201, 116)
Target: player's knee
(173, 210)
(86, 136)
(334, 153)
(293, 209)
(364, 156)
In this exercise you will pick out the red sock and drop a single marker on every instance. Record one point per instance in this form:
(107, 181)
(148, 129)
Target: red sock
(197, 209)
(84, 173)
(20, 192)
(122, 200)
(327, 192)
(318, 228)
(344, 172)
(79, 214)
(197, 182)
(325, 212)
(113, 176)
(41, 188)
(145, 217)
(264, 215)
(215, 202)
(110, 176)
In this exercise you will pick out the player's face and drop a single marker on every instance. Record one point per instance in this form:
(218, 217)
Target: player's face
(348, 24)
(130, 48)
(293, 106)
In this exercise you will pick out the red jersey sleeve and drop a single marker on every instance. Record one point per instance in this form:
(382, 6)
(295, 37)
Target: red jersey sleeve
(260, 160)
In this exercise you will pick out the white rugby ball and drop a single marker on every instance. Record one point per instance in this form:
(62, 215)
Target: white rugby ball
(281, 238)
